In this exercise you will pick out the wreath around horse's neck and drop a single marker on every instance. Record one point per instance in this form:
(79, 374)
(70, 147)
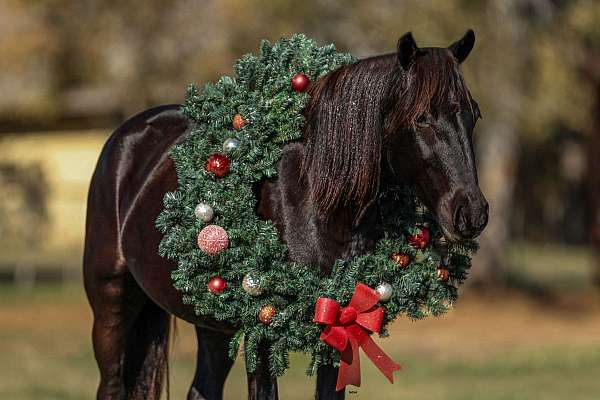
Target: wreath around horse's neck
(232, 266)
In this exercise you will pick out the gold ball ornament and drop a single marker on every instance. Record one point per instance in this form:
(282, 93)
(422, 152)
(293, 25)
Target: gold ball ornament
(238, 122)
(266, 314)
(251, 284)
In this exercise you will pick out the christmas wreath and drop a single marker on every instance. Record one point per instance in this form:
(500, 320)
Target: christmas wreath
(232, 266)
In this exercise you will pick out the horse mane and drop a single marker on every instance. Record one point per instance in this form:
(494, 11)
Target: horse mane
(354, 108)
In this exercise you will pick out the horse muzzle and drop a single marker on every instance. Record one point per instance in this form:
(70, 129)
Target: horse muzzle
(464, 216)
(470, 215)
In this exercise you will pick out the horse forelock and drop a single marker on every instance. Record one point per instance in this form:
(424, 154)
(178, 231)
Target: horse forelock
(433, 79)
(349, 113)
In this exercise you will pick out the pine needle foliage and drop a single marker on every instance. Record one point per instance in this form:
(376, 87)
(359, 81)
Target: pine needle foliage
(260, 91)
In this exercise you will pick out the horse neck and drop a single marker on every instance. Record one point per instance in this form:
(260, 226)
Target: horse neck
(312, 236)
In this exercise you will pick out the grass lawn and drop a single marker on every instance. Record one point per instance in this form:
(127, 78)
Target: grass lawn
(500, 347)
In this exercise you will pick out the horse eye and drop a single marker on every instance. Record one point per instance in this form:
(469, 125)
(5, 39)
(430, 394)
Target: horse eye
(455, 107)
(422, 119)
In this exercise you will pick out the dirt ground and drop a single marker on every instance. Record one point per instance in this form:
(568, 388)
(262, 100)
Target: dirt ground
(491, 346)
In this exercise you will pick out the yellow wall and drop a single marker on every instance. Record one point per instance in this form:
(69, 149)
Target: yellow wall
(68, 160)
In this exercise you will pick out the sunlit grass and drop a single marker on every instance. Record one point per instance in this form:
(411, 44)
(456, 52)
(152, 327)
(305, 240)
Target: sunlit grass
(551, 266)
(486, 348)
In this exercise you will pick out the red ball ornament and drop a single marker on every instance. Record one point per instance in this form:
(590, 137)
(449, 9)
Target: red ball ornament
(217, 285)
(421, 239)
(238, 122)
(212, 239)
(401, 259)
(218, 164)
(300, 82)
(443, 274)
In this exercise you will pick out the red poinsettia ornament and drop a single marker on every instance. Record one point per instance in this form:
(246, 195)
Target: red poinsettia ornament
(401, 259)
(218, 164)
(420, 240)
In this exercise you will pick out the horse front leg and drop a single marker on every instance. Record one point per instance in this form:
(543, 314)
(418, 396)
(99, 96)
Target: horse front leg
(212, 365)
(326, 382)
(261, 384)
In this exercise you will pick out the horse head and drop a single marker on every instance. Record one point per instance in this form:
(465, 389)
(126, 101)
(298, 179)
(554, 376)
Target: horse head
(404, 117)
(430, 117)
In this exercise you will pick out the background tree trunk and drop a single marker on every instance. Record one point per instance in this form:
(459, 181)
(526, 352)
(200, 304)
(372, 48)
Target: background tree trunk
(592, 74)
(497, 141)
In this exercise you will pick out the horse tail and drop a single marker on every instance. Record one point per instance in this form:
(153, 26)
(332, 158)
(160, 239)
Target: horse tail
(146, 363)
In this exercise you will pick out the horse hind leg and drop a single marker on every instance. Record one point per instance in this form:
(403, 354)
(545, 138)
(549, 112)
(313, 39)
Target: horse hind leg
(147, 353)
(212, 365)
(130, 333)
(107, 284)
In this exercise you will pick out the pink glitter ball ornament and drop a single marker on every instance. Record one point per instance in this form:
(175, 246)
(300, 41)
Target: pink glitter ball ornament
(212, 239)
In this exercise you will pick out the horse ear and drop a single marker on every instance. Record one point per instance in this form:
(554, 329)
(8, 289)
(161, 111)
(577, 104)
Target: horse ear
(463, 47)
(407, 49)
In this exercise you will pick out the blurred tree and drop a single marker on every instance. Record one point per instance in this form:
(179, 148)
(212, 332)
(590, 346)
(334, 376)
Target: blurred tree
(535, 89)
(585, 20)
(593, 176)
(23, 206)
(506, 44)
(108, 57)
(25, 74)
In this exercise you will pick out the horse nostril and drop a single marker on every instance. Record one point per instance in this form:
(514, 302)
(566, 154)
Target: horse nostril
(483, 220)
(459, 219)
(483, 217)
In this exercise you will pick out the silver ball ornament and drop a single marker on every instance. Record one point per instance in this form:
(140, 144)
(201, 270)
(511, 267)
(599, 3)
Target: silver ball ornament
(251, 285)
(385, 291)
(230, 145)
(204, 212)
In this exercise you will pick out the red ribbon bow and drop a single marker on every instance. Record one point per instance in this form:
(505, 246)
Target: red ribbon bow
(349, 328)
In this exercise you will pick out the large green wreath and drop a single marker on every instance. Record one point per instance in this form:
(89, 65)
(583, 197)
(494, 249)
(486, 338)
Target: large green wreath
(260, 91)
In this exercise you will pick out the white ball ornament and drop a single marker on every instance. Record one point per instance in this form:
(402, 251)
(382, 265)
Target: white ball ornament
(204, 212)
(230, 145)
(251, 284)
(385, 291)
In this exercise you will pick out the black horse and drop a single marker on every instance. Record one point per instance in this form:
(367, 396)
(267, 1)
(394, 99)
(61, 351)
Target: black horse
(405, 117)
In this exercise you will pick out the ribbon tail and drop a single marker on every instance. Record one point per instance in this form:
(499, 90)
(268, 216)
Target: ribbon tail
(349, 373)
(386, 365)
